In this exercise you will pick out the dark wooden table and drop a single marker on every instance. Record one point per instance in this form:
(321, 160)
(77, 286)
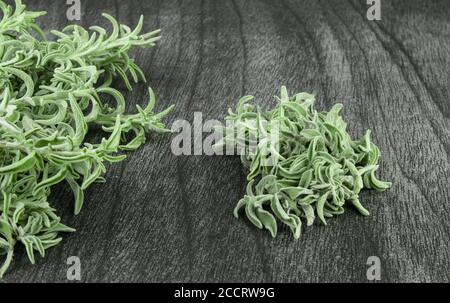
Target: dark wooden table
(166, 218)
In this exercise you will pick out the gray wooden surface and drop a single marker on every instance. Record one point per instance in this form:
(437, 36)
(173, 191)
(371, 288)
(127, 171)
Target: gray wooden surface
(166, 218)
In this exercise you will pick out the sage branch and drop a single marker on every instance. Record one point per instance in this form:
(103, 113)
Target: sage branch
(52, 91)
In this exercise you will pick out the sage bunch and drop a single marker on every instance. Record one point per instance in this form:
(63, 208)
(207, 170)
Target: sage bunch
(51, 93)
(315, 169)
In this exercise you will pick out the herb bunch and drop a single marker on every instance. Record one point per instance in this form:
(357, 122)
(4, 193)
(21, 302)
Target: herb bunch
(51, 93)
(316, 168)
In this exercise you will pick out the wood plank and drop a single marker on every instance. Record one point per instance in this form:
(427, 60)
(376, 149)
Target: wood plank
(167, 218)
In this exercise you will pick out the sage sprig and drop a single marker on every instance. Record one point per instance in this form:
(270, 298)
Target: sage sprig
(51, 93)
(315, 167)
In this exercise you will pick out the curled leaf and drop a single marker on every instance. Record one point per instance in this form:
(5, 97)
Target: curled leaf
(316, 167)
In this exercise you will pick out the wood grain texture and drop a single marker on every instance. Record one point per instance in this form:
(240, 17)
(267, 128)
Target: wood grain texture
(166, 218)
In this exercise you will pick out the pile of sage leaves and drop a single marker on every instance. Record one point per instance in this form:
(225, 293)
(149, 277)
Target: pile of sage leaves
(302, 163)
